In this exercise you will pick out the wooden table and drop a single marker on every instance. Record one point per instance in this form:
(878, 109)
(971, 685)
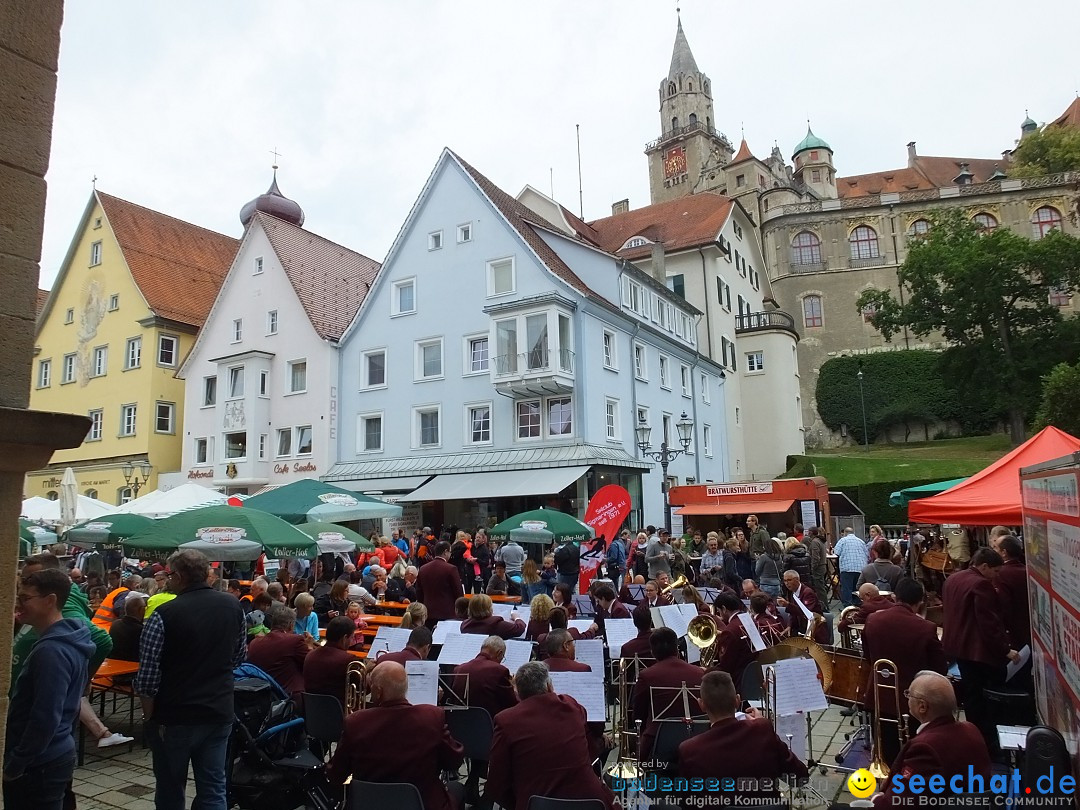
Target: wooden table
(383, 620)
(509, 600)
(113, 667)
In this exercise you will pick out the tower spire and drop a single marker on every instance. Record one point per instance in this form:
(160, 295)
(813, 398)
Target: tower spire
(682, 58)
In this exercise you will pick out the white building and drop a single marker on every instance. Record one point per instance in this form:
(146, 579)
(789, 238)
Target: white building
(511, 359)
(261, 394)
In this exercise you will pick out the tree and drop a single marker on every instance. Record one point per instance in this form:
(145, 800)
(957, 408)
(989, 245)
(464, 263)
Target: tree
(1050, 150)
(1059, 404)
(987, 294)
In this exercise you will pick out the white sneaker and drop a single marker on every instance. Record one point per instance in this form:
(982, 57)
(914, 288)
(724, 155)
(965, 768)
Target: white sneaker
(116, 738)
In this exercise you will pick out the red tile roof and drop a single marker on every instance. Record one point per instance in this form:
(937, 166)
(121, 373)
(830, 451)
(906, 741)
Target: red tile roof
(927, 173)
(330, 281)
(744, 153)
(42, 297)
(680, 223)
(178, 267)
(1071, 116)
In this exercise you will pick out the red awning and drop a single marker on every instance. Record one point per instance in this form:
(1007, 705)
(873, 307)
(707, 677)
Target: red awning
(736, 508)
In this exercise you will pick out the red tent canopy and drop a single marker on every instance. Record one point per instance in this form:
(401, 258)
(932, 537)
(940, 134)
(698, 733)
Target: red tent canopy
(992, 497)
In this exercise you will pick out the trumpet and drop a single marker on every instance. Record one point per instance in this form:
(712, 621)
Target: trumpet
(678, 583)
(886, 677)
(355, 686)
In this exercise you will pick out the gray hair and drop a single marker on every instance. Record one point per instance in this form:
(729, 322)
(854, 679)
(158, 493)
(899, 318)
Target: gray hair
(531, 679)
(191, 566)
(794, 573)
(412, 569)
(274, 590)
(494, 646)
(304, 599)
(556, 640)
(282, 618)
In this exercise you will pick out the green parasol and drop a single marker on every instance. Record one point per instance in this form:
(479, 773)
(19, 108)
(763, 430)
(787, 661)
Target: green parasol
(545, 525)
(107, 531)
(308, 500)
(223, 534)
(333, 539)
(35, 533)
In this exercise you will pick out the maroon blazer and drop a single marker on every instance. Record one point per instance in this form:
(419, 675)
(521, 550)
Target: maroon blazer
(540, 749)
(536, 628)
(438, 586)
(281, 655)
(638, 645)
(772, 628)
(808, 596)
(943, 746)
(736, 653)
(402, 656)
(1012, 588)
(494, 626)
(575, 634)
(909, 641)
(489, 684)
(974, 626)
(324, 671)
(871, 605)
(617, 611)
(362, 750)
(565, 665)
(668, 674)
(739, 748)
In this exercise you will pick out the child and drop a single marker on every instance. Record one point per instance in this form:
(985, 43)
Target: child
(355, 612)
(549, 576)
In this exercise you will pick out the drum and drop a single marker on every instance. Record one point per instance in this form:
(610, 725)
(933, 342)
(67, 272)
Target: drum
(849, 673)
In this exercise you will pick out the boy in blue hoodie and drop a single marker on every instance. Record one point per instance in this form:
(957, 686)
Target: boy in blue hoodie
(39, 756)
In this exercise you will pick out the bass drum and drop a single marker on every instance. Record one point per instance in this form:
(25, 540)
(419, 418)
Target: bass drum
(849, 674)
(800, 647)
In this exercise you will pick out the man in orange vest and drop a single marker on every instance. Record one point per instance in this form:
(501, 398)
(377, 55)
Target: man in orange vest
(109, 609)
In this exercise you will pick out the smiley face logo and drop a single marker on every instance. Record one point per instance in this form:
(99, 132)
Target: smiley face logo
(862, 784)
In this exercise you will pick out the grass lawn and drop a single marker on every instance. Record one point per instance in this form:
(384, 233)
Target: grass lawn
(944, 459)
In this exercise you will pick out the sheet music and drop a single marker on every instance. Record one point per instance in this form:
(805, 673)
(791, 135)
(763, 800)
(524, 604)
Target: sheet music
(584, 605)
(423, 682)
(581, 625)
(805, 610)
(1013, 738)
(1015, 666)
(443, 629)
(502, 609)
(795, 726)
(628, 606)
(619, 631)
(797, 686)
(461, 647)
(591, 652)
(675, 617)
(389, 639)
(637, 592)
(586, 689)
(524, 612)
(657, 617)
(752, 632)
(517, 653)
(693, 653)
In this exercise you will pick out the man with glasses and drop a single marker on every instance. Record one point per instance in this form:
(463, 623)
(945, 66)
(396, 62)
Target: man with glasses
(39, 755)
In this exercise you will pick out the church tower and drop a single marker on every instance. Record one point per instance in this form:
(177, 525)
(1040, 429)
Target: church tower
(688, 155)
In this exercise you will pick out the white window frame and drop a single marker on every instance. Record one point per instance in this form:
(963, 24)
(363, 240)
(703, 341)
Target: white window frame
(264, 384)
(706, 397)
(755, 362)
(100, 361)
(231, 378)
(95, 253)
(611, 350)
(207, 401)
(162, 340)
(263, 441)
(464, 233)
(44, 375)
(467, 341)
(706, 439)
(545, 417)
(365, 376)
(517, 420)
(491, 292)
(289, 367)
(418, 360)
(124, 495)
(133, 352)
(271, 322)
(686, 380)
(469, 408)
(664, 370)
(395, 297)
(435, 240)
(417, 410)
(641, 362)
(114, 302)
(225, 446)
(97, 425)
(237, 330)
(128, 426)
(279, 434)
(258, 266)
(296, 441)
(361, 432)
(69, 316)
(171, 406)
(204, 443)
(68, 368)
(612, 428)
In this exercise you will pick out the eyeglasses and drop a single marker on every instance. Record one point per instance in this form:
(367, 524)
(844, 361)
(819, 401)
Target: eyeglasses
(909, 694)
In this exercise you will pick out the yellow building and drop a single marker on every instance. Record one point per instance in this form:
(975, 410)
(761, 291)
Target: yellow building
(133, 291)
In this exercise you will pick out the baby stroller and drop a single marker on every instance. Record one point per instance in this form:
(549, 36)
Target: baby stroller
(270, 764)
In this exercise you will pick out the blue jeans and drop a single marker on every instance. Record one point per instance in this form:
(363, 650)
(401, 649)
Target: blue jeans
(849, 581)
(569, 579)
(41, 787)
(206, 748)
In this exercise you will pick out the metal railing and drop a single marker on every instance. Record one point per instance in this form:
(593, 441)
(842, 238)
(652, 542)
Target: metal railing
(535, 361)
(694, 127)
(870, 261)
(760, 321)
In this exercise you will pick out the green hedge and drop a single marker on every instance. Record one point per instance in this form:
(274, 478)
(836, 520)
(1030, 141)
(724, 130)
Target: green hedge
(873, 499)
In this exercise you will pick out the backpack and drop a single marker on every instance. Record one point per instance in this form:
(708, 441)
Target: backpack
(881, 583)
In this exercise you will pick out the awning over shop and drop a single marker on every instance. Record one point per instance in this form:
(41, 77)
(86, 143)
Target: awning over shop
(736, 508)
(503, 484)
(403, 484)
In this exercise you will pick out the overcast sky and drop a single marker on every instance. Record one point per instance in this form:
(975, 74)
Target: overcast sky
(176, 106)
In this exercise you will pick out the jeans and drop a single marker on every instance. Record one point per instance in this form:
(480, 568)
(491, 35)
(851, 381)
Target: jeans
(569, 579)
(206, 748)
(848, 582)
(770, 589)
(41, 787)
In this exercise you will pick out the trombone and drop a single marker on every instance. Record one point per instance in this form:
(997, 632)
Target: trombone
(627, 766)
(886, 678)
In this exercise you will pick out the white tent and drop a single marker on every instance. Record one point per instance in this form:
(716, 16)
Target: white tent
(42, 509)
(164, 503)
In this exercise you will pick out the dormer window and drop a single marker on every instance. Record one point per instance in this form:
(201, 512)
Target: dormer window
(635, 242)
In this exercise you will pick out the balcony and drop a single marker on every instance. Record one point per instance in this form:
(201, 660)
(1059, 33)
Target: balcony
(869, 261)
(812, 267)
(538, 372)
(763, 321)
(697, 126)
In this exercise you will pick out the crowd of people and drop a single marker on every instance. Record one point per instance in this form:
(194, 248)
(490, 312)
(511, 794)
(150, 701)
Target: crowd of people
(191, 623)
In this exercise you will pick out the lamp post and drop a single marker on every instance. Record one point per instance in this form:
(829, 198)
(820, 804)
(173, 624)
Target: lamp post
(665, 455)
(862, 405)
(132, 473)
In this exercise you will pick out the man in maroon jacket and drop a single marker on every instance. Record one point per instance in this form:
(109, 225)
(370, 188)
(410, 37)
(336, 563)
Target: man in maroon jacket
(1011, 585)
(747, 749)
(560, 653)
(639, 644)
(899, 634)
(870, 601)
(281, 653)
(362, 750)
(736, 653)
(975, 637)
(943, 746)
(324, 668)
(438, 585)
(657, 687)
(795, 589)
(416, 649)
(540, 747)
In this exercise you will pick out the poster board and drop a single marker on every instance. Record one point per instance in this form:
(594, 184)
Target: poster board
(1050, 497)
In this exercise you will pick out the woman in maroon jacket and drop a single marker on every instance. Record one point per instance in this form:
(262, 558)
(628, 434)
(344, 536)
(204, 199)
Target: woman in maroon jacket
(481, 620)
(564, 598)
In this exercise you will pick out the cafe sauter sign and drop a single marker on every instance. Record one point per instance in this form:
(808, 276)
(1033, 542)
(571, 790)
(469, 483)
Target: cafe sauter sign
(297, 467)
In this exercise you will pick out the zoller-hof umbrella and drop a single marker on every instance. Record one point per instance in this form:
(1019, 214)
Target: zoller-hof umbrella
(334, 539)
(107, 531)
(311, 501)
(559, 525)
(35, 533)
(223, 534)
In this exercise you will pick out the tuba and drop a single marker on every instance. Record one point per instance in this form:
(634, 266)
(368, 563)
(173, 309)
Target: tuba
(355, 686)
(702, 633)
(886, 678)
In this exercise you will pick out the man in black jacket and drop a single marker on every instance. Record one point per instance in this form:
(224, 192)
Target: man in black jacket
(189, 648)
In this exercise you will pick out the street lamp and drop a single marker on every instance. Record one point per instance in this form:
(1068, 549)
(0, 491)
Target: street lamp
(665, 455)
(862, 404)
(132, 471)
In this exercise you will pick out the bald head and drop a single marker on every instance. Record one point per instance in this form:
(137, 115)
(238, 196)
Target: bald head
(868, 591)
(389, 682)
(932, 696)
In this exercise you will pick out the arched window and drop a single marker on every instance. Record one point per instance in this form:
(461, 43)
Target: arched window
(124, 495)
(52, 495)
(812, 314)
(919, 227)
(708, 123)
(690, 86)
(675, 123)
(1060, 297)
(806, 248)
(985, 221)
(863, 242)
(91, 493)
(693, 118)
(1045, 220)
(671, 89)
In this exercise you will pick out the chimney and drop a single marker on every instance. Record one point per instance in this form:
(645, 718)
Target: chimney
(658, 270)
(621, 207)
(911, 155)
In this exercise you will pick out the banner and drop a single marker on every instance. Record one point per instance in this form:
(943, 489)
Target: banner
(606, 512)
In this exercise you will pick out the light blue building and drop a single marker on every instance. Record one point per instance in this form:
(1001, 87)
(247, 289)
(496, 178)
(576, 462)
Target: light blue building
(500, 363)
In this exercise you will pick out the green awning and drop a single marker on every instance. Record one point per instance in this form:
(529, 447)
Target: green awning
(903, 496)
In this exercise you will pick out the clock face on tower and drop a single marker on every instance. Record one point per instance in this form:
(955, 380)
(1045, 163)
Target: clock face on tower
(674, 162)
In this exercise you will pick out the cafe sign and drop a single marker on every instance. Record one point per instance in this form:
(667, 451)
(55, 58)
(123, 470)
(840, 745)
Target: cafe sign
(727, 490)
(220, 535)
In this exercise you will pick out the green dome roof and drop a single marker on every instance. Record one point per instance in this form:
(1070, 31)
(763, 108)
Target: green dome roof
(1028, 124)
(811, 141)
